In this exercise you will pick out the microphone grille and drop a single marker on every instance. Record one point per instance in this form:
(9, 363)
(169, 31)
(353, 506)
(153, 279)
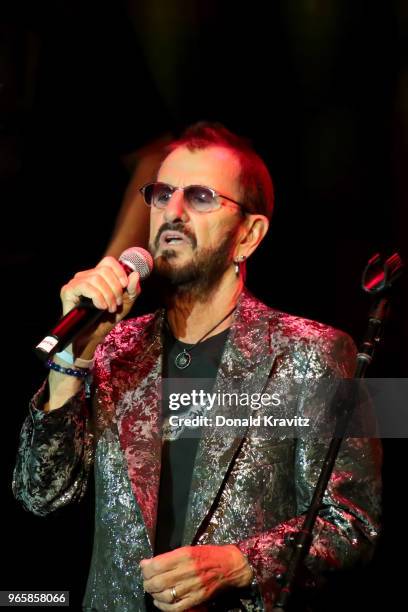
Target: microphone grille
(139, 260)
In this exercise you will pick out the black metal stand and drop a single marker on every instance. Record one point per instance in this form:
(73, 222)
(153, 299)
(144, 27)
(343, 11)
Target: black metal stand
(378, 279)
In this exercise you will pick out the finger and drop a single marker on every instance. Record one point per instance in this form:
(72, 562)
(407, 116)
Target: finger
(92, 286)
(116, 267)
(172, 607)
(183, 589)
(185, 603)
(111, 278)
(166, 596)
(133, 288)
(184, 577)
(100, 283)
(160, 582)
(190, 592)
(70, 293)
(165, 562)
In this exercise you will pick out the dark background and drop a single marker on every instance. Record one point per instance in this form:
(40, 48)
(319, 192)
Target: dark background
(321, 88)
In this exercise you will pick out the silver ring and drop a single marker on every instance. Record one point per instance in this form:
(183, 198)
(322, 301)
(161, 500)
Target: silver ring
(173, 594)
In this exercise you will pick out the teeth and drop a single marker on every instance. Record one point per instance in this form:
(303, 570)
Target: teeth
(173, 239)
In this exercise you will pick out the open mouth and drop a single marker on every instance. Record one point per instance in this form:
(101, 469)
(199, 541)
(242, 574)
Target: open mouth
(172, 238)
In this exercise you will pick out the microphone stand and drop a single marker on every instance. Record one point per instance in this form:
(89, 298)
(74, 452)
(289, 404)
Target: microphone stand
(378, 279)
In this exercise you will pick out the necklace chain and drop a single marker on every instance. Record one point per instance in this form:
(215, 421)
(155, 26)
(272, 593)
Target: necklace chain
(183, 359)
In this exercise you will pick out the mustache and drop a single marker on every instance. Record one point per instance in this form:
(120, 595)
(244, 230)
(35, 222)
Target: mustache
(176, 227)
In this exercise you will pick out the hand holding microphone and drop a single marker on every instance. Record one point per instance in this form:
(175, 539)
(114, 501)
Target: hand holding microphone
(95, 300)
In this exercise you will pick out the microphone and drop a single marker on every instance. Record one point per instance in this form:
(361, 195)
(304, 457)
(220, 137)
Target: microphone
(84, 314)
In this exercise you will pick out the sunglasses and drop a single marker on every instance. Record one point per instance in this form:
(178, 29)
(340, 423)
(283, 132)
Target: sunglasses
(198, 198)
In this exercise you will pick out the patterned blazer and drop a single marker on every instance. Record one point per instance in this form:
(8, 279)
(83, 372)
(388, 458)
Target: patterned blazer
(247, 490)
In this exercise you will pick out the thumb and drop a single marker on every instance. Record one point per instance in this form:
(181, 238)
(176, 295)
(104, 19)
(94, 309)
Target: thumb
(133, 288)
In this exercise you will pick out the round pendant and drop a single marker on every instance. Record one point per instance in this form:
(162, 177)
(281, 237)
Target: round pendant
(183, 360)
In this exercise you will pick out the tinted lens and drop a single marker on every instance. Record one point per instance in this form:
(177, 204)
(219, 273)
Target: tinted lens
(200, 198)
(158, 194)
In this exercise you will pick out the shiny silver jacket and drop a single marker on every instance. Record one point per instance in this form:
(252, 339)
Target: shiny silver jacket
(245, 490)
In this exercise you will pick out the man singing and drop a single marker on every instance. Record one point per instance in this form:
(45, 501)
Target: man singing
(194, 521)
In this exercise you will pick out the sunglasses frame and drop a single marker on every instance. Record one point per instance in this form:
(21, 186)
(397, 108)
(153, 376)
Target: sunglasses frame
(214, 195)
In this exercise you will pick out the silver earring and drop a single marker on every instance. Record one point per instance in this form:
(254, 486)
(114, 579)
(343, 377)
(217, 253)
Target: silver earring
(237, 261)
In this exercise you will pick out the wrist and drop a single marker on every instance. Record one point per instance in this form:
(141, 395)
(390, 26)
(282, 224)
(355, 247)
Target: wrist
(244, 575)
(249, 577)
(67, 357)
(85, 351)
(61, 389)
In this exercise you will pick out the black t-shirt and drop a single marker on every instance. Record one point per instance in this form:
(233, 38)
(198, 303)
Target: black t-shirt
(179, 451)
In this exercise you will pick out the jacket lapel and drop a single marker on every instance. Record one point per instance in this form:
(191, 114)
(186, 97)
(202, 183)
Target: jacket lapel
(246, 364)
(137, 375)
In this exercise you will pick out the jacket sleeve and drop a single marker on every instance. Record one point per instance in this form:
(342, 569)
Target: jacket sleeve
(57, 448)
(348, 522)
(54, 455)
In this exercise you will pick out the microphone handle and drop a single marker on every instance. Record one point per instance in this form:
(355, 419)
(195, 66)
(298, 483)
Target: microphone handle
(74, 322)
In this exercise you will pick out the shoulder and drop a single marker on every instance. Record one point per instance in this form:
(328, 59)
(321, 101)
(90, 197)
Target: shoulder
(303, 338)
(324, 346)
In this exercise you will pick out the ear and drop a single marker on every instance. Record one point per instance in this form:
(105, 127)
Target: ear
(252, 232)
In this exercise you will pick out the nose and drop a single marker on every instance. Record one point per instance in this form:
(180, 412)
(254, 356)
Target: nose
(176, 209)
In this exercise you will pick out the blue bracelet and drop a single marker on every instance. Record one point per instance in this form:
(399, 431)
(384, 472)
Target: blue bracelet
(77, 372)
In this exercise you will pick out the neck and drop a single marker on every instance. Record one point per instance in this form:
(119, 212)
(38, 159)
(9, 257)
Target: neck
(190, 317)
